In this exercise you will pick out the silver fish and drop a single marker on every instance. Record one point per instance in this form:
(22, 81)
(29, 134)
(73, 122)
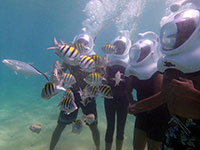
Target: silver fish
(23, 68)
(88, 119)
(57, 73)
(77, 127)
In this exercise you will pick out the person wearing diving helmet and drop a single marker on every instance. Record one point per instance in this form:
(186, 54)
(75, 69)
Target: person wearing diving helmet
(119, 103)
(84, 43)
(180, 66)
(144, 77)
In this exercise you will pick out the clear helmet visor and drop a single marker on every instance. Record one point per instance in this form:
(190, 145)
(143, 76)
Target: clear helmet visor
(84, 42)
(139, 53)
(84, 39)
(120, 47)
(174, 34)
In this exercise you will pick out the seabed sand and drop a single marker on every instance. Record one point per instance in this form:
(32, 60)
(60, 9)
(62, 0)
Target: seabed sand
(21, 111)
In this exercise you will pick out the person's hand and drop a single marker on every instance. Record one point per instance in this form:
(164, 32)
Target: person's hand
(132, 109)
(182, 86)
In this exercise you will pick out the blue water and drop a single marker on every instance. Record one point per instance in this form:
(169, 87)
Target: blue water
(27, 28)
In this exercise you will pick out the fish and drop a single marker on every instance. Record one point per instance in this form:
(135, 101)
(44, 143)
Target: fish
(81, 47)
(68, 94)
(66, 52)
(68, 79)
(87, 63)
(85, 97)
(67, 103)
(36, 128)
(88, 119)
(118, 78)
(106, 91)
(97, 59)
(23, 68)
(91, 91)
(108, 48)
(49, 90)
(88, 91)
(57, 73)
(77, 127)
(94, 79)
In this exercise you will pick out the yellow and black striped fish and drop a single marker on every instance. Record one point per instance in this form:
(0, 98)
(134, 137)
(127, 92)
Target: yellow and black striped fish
(68, 53)
(91, 91)
(81, 47)
(94, 79)
(68, 94)
(68, 105)
(49, 90)
(106, 91)
(87, 63)
(77, 127)
(68, 79)
(97, 59)
(108, 48)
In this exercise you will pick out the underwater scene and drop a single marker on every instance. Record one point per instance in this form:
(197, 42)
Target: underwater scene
(36, 33)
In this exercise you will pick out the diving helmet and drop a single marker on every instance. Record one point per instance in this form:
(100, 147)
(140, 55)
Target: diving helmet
(179, 36)
(87, 41)
(122, 45)
(143, 56)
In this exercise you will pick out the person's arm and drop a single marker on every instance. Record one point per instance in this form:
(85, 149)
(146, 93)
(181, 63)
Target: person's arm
(184, 87)
(153, 101)
(147, 104)
(129, 89)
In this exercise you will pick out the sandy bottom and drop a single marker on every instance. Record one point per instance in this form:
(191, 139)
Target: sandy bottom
(21, 111)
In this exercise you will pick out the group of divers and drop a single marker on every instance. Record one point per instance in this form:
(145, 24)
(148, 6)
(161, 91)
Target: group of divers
(127, 66)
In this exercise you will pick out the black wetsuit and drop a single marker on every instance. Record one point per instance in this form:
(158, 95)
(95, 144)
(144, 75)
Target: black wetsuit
(116, 106)
(90, 108)
(154, 122)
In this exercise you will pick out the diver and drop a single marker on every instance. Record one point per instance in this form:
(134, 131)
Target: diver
(117, 81)
(64, 119)
(180, 67)
(144, 77)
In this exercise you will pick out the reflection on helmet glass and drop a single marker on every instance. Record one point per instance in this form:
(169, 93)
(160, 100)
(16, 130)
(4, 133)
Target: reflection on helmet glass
(185, 30)
(174, 34)
(120, 47)
(144, 52)
(83, 41)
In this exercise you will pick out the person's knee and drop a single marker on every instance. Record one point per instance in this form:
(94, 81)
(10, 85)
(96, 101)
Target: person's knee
(120, 135)
(109, 136)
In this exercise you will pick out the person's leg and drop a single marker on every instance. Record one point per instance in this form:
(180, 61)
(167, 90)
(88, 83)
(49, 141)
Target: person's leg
(139, 139)
(63, 120)
(56, 135)
(122, 105)
(110, 117)
(153, 145)
(90, 108)
(95, 135)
